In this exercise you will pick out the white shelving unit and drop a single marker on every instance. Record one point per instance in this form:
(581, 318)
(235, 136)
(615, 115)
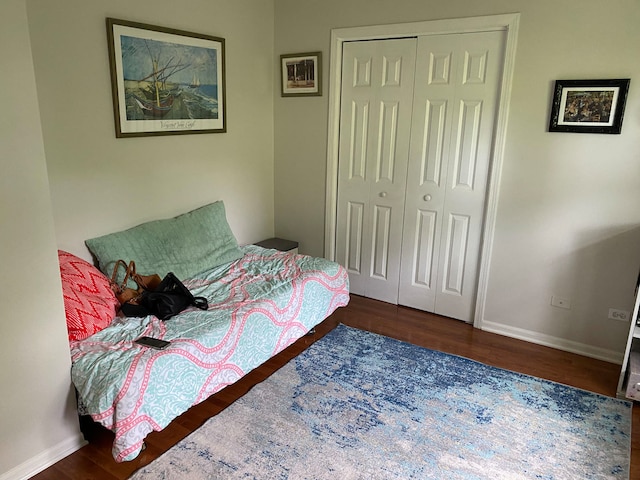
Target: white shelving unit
(633, 344)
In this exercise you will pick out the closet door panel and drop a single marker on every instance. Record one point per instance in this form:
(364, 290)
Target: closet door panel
(354, 186)
(432, 143)
(357, 153)
(480, 65)
(466, 147)
(427, 171)
(380, 246)
(423, 254)
(377, 94)
(386, 147)
(457, 237)
(455, 99)
(354, 232)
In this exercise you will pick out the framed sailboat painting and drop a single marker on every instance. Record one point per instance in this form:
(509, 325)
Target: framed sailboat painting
(165, 81)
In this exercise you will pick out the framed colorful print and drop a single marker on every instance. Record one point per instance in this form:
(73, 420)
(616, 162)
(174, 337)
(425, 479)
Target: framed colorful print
(301, 74)
(588, 106)
(165, 81)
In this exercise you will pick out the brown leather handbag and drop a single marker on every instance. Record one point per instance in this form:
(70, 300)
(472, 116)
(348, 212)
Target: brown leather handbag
(126, 294)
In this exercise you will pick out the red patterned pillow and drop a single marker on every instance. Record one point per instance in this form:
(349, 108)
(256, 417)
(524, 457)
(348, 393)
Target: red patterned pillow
(89, 303)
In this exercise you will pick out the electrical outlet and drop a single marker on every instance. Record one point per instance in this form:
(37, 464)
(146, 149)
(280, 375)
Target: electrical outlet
(615, 314)
(561, 302)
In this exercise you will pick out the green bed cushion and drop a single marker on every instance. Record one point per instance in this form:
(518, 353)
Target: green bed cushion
(185, 245)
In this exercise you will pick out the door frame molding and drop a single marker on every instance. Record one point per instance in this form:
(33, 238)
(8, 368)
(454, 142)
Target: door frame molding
(508, 23)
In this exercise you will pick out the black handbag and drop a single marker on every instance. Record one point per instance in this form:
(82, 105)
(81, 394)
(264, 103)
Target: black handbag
(169, 298)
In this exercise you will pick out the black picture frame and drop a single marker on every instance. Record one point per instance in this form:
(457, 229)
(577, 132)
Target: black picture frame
(588, 106)
(165, 81)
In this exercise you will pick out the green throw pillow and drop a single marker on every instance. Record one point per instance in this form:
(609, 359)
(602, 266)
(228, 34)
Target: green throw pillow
(185, 245)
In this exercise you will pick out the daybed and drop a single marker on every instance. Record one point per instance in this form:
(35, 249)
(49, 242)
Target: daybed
(260, 301)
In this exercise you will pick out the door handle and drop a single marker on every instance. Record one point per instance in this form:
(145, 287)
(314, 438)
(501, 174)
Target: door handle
(382, 194)
(427, 198)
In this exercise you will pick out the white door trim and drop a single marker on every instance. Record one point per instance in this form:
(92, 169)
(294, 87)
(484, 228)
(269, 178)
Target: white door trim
(508, 23)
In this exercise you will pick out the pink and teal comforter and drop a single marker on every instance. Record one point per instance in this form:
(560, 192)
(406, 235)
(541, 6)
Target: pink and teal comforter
(258, 305)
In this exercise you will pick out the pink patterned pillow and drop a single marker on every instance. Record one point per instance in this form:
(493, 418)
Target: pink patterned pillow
(89, 303)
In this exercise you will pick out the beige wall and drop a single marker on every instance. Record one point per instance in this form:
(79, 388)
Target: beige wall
(65, 178)
(37, 414)
(568, 221)
(100, 184)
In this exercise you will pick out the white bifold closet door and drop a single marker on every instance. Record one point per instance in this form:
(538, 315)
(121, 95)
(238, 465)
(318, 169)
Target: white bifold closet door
(416, 132)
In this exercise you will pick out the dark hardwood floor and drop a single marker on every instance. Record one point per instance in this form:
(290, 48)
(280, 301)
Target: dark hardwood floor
(94, 461)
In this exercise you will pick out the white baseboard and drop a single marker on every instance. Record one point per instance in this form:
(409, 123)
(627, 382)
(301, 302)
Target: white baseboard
(612, 356)
(44, 459)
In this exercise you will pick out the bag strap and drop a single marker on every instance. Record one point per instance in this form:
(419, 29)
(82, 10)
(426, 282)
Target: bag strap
(130, 273)
(114, 276)
(144, 282)
(201, 303)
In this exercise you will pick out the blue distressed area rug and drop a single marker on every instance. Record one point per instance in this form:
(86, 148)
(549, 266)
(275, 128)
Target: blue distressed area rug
(356, 405)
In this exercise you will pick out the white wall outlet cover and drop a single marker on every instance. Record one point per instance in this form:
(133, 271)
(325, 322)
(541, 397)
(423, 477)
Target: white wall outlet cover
(561, 302)
(616, 314)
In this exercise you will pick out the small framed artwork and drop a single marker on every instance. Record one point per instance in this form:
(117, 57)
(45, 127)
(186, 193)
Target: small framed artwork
(301, 74)
(165, 81)
(588, 106)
